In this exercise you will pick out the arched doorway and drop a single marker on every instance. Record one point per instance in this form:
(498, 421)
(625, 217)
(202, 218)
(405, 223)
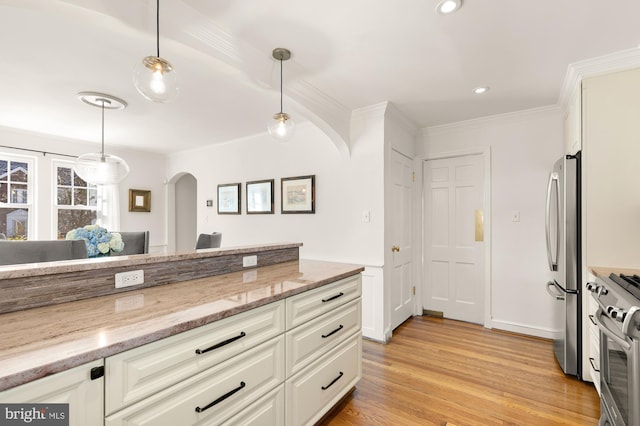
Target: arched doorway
(182, 212)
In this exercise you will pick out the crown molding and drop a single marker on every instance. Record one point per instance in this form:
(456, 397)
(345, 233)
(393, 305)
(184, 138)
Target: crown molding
(507, 118)
(398, 117)
(576, 72)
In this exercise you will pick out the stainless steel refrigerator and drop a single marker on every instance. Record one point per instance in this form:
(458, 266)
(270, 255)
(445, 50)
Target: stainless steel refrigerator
(563, 253)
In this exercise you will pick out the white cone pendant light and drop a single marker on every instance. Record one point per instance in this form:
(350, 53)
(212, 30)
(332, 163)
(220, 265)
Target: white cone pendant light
(281, 126)
(153, 76)
(99, 168)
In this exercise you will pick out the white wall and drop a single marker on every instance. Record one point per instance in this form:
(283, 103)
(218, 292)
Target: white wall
(524, 147)
(345, 187)
(147, 172)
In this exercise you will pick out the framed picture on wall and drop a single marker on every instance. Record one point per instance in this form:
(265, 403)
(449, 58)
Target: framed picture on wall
(260, 197)
(139, 200)
(298, 194)
(229, 198)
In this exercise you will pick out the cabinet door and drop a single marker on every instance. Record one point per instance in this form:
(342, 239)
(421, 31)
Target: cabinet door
(573, 123)
(311, 393)
(137, 373)
(74, 387)
(212, 396)
(313, 303)
(313, 339)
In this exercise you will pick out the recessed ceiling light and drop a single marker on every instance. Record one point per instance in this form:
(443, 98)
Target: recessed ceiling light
(480, 90)
(448, 6)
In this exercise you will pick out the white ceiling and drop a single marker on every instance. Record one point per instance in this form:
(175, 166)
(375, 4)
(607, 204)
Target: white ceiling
(346, 55)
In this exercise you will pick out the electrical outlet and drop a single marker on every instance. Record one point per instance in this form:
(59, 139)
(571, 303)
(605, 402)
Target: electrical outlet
(249, 261)
(126, 279)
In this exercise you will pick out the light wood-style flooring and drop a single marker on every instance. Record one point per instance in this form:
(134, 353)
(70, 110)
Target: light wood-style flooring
(443, 372)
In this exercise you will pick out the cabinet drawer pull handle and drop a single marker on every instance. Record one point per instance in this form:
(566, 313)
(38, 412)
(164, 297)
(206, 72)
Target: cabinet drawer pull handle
(221, 344)
(222, 398)
(592, 320)
(597, 370)
(333, 297)
(333, 381)
(324, 336)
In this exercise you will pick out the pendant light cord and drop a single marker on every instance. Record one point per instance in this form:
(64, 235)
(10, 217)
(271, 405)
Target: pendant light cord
(158, 28)
(102, 149)
(280, 85)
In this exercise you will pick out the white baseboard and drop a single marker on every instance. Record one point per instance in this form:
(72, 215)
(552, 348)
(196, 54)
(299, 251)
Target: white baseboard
(521, 329)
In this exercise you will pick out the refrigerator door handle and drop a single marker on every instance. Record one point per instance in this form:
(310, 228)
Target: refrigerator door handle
(553, 180)
(558, 295)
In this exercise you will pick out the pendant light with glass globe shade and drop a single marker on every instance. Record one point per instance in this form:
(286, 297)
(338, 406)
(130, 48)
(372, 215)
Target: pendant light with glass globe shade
(281, 126)
(153, 76)
(99, 168)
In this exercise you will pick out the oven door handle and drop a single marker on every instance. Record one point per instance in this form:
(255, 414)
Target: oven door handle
(628, 319)
(620, 340)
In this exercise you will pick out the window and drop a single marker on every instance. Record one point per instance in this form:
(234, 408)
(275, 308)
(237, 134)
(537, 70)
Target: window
(76, 200)
(15, 195)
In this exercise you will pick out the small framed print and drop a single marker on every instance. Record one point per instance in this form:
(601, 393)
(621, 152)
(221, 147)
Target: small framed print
(229, 198)
(298, 194)
(139, 200)
(260, 197)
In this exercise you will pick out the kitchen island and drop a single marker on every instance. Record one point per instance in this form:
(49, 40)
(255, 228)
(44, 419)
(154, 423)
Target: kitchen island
(289, 301)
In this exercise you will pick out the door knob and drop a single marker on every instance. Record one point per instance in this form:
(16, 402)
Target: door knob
(395, 249)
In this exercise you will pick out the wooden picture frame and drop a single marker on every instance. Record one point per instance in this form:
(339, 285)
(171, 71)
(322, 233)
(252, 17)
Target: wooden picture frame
(229, 198)
(260, 197)
(139, 200)
(298, 195)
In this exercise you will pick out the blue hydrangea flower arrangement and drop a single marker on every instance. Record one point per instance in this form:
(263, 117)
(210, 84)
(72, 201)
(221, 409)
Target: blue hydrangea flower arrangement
(100, 242)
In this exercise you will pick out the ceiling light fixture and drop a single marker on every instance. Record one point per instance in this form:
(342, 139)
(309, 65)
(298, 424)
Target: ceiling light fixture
(480, 90)
(282, 125)
(154, 77)
(99, 168)
(448, 6)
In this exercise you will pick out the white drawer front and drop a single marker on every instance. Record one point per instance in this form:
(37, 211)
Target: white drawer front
(140, 372)
(267, 411)
(73, 387)
(311, 304)
(320, 386)
(310, 341)
(250, 375)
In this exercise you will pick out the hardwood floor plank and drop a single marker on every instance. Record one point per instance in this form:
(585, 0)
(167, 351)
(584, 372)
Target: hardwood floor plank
(442, 372)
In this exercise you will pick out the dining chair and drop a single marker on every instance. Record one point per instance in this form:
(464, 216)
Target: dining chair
(212, 240)
(136, 242)
(32, 251)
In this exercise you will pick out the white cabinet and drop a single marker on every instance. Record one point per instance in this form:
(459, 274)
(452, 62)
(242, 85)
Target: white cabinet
(610, 132)
(320, 386)
(594, 344)
(214, 395)
(138, 373)
(573, 123)
(324, 349)
(285, 363)
(74, 387)
(288, 362)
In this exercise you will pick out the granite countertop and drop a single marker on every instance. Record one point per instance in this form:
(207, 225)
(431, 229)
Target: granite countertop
(605, 271)
(41, 341)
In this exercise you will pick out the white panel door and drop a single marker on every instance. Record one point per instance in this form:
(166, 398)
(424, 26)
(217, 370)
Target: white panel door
(401, 293)
(454, 259)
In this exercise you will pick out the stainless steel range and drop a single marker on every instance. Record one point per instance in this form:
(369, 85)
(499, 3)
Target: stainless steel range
(618, 318)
